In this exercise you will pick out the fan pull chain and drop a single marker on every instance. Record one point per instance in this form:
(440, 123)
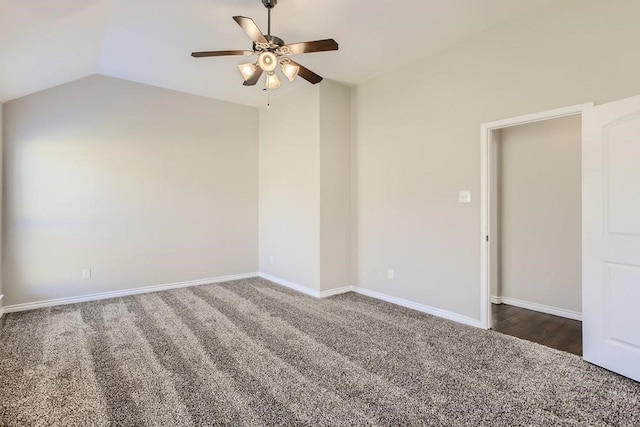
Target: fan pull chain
(268, 97)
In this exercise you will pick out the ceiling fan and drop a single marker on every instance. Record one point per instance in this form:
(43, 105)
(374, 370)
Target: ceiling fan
(271, 51)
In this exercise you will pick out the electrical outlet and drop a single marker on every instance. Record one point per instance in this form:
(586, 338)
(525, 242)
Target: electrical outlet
(271, 259)
(86, 273)
(390, 274)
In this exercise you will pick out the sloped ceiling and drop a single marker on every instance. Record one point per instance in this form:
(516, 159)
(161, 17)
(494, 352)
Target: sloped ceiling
(44, 43)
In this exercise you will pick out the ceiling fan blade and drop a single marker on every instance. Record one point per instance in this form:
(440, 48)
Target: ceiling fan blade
(220, 53)
(307, 74)
(250, 28)
(254, 78)
(314, 46)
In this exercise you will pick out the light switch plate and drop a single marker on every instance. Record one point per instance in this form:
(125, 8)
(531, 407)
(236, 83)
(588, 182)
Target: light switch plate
(464, 196)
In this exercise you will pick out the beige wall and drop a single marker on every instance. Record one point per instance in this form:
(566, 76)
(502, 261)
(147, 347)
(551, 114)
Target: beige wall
(335, 185)
(540, 213)
(418, 138)
(415, 132)
(1, 223)
(305, 191)
(289, 188)
(145, 186)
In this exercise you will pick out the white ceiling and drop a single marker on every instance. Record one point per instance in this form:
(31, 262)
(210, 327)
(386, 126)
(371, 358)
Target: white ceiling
(44, 43)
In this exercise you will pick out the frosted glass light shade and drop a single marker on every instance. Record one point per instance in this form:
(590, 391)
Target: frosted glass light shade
(247, 70)
(273, 82)
(267, 61)
(290, 70)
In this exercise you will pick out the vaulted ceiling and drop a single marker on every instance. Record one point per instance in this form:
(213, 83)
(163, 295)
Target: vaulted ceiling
(44, 43)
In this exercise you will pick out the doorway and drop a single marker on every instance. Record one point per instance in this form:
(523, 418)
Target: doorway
(536, 216)
(518, 296)
(610, 230)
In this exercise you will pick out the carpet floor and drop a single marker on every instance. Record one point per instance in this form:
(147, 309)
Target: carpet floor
(249, 352)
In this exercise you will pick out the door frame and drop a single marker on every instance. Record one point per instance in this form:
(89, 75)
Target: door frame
(486, 171)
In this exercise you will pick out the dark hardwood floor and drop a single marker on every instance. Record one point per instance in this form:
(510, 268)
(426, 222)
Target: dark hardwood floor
(553, 331)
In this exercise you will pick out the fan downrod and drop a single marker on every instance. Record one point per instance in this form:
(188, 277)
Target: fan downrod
(269, 4)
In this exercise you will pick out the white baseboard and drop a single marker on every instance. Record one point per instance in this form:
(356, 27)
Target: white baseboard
(336, 291)
(419, 307)
(496, 300)
(123, 293)
(377, 295)
(290, 285)
(1, 306)
(304, 289)
(569, 314)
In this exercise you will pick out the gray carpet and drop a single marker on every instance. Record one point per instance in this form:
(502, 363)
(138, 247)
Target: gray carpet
(251, 353)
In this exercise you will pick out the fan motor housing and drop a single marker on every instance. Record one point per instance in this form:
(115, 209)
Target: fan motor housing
(269, 4)
(273, 40)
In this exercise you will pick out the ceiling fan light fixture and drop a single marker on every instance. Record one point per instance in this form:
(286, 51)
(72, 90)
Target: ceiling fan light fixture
(268, 61)
(273, 82)
(247, 70)
(290, 70)
(270, 49)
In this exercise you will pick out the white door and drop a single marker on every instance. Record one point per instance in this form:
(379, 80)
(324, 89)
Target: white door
(611, 236)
